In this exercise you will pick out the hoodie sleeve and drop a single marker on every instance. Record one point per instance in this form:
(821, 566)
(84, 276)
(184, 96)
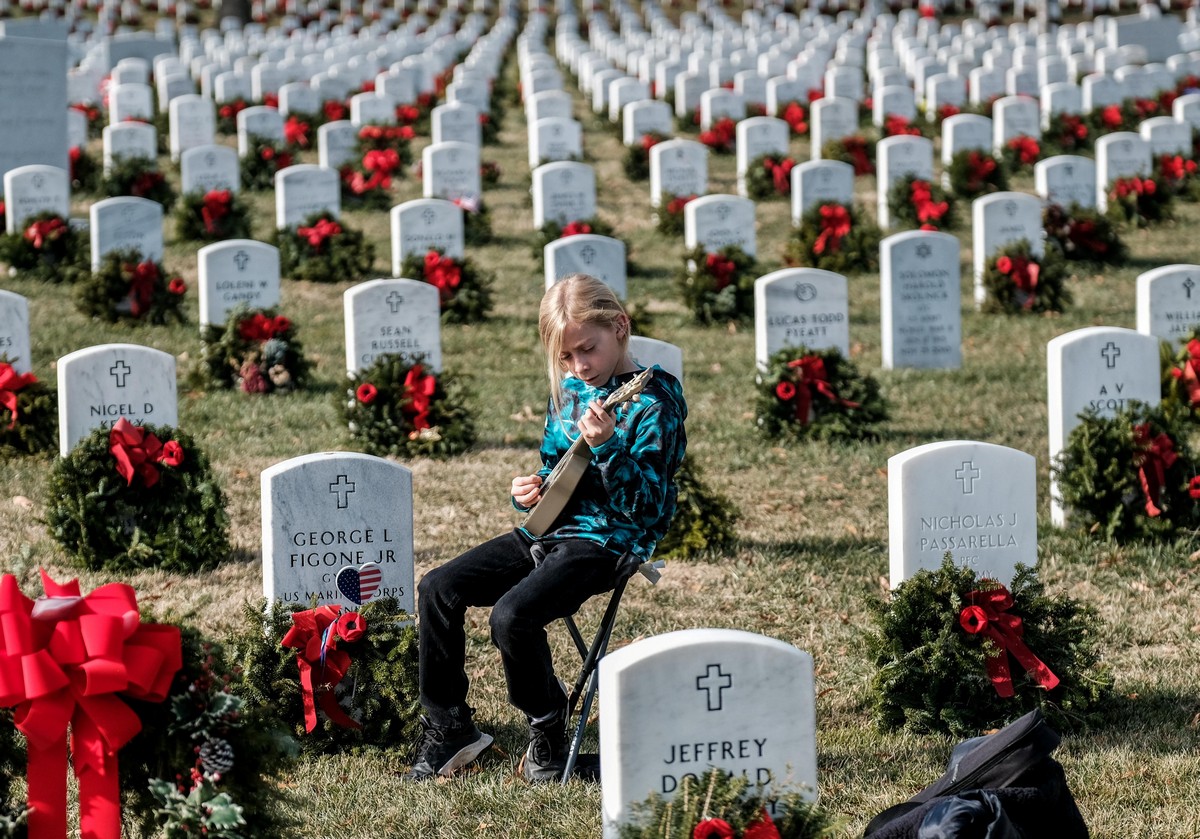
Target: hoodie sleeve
(635, 462)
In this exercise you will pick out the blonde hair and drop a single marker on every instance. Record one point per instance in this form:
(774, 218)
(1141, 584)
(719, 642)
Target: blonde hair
(581, 299)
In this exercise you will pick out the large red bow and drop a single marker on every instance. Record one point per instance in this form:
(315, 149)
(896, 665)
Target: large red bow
(318, 233)
(811, 369)
(1024, 274)
(988, 616)
(143, 277)
(295, 132)
(315, 634)
(216, 207)
(835, 224)
(10, 383)
(1189, 373)
(1153, 457)
(137, 451)
(47, 230)
(62, 660)
(419, 387)
(721, 268)
(444, 272)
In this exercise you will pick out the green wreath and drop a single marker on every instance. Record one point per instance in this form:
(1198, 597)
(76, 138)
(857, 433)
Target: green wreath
(489, 124)
(227, 115)
(817, 394)
(464, 291)
(140, 178)
(392, 408)
(725, 804)
(1067, 134)
(1180, 378)
(33, 428)
(47, 249)
(1020, 154)
(932, 674)
(668, 216)
(637, 156)
(324, 250)
(489, 172)
(477, 220)
(85, 171)
(552, 231)
(915, 202)
(212, 216)
(769, 176)
(385, 138)
(974, 173)
(206, 760)
(718, 285)
(855, 150)
(1130, 476)
(704, 518)
(1178, 176)
(382, 695)
(264, 159)
(1138, 202)
(1083, 234)
(105, 521)
(1017, 282)
(823, 241)
(128, 287)
(255, 350)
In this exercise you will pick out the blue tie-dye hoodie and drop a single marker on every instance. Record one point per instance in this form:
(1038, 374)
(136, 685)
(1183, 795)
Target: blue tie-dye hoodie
(626, 497)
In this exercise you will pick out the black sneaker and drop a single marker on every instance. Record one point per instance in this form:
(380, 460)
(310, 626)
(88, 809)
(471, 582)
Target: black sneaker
(443, 751)
(546, 756)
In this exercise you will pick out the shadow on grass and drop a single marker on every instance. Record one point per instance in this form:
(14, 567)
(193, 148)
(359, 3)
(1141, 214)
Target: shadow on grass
(1153, 720)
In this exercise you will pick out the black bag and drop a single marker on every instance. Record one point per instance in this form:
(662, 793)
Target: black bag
(1001, 786)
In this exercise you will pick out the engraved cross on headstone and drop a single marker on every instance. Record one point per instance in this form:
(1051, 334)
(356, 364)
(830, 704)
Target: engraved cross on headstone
(1188, 285)
(342, 487)
(714, 680)
(394, 301)
(119, 371)
(967, 474)
(1111, 353)
(587, 253)
(240, 259)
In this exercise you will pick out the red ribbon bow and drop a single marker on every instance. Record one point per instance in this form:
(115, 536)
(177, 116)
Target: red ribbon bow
(216, 207)
(1153, 457)
(812, 374)
(62, 660)
(295, 132)
(47, 230)
(835, 224)
(796, 118)
(781, 173)
(574, 228)
(11, 382)
(721, 268)
(137, 451)
(444, 272)
(315, 634)
(317, 234)
(988, 616)
(143, 277)
(418, 391)
(1024, 273)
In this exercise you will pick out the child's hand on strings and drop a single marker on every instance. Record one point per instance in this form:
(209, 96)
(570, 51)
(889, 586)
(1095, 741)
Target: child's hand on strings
(596, 425)
(527, 489)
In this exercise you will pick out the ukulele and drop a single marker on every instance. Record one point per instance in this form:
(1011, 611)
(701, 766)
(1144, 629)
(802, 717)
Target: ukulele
(560, 484)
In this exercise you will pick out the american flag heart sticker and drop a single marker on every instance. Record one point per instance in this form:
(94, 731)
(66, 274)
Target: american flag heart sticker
(360, 584)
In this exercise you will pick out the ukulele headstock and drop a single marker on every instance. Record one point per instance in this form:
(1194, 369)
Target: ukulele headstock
(630, 389)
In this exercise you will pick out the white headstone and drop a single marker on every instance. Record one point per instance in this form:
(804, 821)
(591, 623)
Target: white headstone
(818, 182)
(372, 109)
(896, 158)
(1014, 116)
(976, 500)
(206, 168)
(759, 136)
(423, 224)
(1166, 136)
(458, 122)
(563, 192)
(800, 307)
(962, 132)
(714, 222)
(304, 189)
(1066, 179)
(126, 222)
(832, 119)
(236, 272)
(99, 385)
(586, 253)
(555, 138)
(678, 167)
(450, 170)
(322, 513)
(31, 190)
(998, 220)
(920, 303)
(646, 116)
(193, 123)
(1121, 154)
(1168, 302)
(392, 317)
(650, 351)
(337, 143)
(1101, 368)
(127, 141)
(680, 703)
(258, 121)
(14, 331)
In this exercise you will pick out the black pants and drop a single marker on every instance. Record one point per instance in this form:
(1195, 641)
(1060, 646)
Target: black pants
(524, 597)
